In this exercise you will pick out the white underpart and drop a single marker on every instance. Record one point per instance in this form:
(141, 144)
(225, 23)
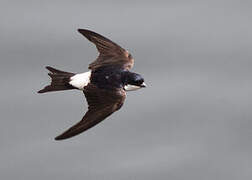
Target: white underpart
(131, 87)
(80, 80)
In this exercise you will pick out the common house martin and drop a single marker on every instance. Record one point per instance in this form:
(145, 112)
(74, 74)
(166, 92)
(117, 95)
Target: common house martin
(104, 85)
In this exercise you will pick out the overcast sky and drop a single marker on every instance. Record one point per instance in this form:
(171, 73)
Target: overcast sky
(193, 122)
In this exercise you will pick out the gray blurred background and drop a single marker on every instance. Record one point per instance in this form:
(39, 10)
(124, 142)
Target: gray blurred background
(193, 122)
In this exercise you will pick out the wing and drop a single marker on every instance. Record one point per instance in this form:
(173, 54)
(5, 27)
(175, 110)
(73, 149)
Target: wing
(110, 52)
(102, 103)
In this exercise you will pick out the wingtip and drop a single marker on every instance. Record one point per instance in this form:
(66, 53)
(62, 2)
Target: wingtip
(57, 138)
(48, 67)
(83, 30)
(60, 137)
(88, 33)
(42, 91)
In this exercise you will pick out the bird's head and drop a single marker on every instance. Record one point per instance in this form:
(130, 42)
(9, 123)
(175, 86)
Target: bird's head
(133, 81)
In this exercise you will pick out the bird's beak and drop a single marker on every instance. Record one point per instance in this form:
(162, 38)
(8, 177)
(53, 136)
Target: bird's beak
(143, 85)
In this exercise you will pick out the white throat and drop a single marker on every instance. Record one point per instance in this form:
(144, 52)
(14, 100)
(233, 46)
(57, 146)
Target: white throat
(131, 87)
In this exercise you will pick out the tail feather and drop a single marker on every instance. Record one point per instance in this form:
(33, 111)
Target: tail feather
(60, 80)
(56, 71)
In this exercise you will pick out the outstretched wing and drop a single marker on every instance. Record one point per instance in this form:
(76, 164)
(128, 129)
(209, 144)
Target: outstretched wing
(102, 103)
(110, 52)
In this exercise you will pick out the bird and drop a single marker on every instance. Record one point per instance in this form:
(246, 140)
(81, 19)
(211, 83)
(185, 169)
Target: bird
(104, 85)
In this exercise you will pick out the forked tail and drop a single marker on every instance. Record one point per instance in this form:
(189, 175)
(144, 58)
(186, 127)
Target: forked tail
(60, 80)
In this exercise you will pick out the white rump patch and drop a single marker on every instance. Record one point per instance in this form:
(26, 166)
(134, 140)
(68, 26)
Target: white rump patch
(131, 87)
(80, 80)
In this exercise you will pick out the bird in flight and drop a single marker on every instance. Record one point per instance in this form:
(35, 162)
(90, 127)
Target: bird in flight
(104, 85)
